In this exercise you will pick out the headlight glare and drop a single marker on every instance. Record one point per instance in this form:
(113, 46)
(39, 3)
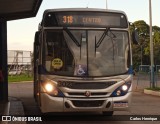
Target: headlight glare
(124, 87)
(49, 87)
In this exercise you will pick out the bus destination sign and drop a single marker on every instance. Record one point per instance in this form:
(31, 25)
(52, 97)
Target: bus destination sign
(86, 19)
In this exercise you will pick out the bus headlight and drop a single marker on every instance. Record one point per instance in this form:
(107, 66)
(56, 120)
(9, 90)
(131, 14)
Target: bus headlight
(52, 89)
(124, 87)
(122, 90)
(49, 87)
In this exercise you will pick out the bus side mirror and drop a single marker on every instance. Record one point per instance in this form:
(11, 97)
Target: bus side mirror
(135, 37)
(36, 38)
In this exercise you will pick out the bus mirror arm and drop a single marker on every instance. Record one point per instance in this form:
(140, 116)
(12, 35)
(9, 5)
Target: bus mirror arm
(37, 38)
(135, 37)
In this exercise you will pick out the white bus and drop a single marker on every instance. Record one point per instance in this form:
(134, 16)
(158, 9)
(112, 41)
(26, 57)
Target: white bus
(83, 61)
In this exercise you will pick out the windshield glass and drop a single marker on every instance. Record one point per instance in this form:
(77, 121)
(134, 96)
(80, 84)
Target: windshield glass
(86, 52)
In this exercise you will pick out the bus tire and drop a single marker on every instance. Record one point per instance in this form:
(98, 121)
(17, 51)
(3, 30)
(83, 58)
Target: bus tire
(109, 113)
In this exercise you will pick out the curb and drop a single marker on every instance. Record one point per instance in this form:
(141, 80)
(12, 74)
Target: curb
(151, 92)
(22, 82)
(6, 109)
(6, 112)
(16, 109)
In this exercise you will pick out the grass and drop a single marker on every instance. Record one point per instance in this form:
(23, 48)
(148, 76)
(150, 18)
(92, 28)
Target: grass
(154, 89)
(19, 78)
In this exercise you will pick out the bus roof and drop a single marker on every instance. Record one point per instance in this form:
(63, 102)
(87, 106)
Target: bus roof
(114, 18)
(82, 9)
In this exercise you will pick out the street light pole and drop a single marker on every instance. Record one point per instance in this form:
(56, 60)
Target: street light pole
(151, 47)
(106, 5)
(141, 55)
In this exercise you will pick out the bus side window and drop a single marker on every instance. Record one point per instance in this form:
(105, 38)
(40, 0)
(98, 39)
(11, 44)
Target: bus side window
(36, 45)
(50, 46)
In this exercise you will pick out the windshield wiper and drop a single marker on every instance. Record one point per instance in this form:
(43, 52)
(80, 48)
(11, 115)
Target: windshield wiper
(72, 37)
(102, 37)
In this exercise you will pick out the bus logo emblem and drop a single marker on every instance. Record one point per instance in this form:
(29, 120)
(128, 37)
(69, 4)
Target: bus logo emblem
(87, 94)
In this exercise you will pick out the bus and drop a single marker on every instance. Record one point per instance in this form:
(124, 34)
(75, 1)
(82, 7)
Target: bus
(83, 61)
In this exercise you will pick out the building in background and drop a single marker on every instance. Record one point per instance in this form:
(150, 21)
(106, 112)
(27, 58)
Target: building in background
(19, 62)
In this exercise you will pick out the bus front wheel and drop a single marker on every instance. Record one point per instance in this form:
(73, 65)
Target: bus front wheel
(109, 113)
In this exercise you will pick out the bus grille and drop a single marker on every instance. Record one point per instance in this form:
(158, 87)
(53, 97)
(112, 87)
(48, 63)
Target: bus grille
(85, 85)
(93, 103)
(92, 94)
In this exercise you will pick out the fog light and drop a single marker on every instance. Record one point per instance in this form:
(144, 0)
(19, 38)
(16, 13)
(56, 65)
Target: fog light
(124, 87)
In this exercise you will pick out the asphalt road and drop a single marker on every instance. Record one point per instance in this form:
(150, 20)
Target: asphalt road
(142, 104)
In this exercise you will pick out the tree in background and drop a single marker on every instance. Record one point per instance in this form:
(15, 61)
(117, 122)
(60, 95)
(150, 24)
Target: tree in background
(141, 53)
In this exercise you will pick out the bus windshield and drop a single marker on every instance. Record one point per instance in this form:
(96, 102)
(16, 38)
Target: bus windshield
(73, 52)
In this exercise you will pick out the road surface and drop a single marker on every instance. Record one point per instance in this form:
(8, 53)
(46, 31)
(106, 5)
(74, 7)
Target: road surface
(142, 104)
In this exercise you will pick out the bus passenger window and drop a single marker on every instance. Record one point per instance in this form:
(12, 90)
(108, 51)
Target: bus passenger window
(57, 50)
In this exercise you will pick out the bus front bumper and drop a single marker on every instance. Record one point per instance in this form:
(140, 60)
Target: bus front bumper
(59, 104)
